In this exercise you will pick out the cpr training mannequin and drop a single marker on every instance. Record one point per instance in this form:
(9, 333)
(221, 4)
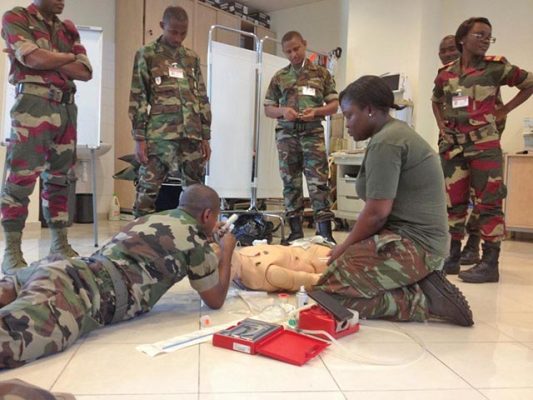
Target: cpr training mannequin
(279, 268)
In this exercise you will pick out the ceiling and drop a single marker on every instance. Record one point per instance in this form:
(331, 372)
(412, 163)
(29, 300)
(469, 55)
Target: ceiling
(274, 5)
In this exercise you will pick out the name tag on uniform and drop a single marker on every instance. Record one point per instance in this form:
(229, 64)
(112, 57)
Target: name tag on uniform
(459, 101)
(308, 91)
(175, 72)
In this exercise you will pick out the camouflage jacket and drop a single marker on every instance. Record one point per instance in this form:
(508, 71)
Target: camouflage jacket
(481, 84)
(158, 250)
(165, 107)
(25, 30)
(288, 86)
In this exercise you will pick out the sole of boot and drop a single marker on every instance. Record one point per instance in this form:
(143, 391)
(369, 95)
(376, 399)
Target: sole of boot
(473, 279)
(452, 294)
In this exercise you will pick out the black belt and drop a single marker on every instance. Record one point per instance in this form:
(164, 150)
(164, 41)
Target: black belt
(47, 92)
(300, 125)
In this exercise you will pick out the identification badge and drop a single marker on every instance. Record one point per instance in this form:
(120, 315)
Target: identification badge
(308, 91)
(175, 72)
(459, 101)
(158, 80)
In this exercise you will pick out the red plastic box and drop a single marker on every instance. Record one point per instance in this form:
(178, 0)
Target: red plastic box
(271, 340)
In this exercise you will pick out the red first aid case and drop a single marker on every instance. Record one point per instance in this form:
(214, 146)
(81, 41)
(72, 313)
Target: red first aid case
(271, 340)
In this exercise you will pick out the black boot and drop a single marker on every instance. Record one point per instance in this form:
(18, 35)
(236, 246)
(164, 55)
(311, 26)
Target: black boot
(296, 229)
(487, 269)
(445, 300)
(452, 264)
(324, 230)
(470, 253)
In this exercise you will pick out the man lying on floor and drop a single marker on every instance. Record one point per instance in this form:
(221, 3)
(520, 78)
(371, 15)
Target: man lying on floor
(45, 307)
(48, 305)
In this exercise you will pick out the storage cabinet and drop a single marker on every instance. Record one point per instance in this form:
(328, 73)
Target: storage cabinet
(137, 23)
(349, 205)
(519, 201)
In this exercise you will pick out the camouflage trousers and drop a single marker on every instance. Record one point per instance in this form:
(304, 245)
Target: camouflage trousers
(43, 141)
(181, 158)
(57, 302)
(378, 278)
(304, 152)
(476, 167)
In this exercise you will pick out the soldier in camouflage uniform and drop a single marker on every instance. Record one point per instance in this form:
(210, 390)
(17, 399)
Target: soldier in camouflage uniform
(465, 104)
(448, 53)
(389, 266)
(299, 96)
(47, 306)
(169, 111)
(46, 57)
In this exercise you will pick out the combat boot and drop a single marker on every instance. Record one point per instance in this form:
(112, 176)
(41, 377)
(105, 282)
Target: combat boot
(296, 228)
(470, 253)
(13, 259)
(487, 269)
(324, 230)
(59, 243)
(452, 264)
(445, 300)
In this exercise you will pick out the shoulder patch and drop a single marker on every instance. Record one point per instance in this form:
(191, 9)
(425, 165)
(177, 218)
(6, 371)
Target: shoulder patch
(496, 59)
(447, 65)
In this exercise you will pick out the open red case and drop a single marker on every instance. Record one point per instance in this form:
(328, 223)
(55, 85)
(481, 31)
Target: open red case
(271, 340)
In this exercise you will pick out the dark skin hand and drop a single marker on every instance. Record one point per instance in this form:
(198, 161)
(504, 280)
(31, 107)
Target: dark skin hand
(371, 220)
(214, 298)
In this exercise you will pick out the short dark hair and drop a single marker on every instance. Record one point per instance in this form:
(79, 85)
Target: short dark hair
(291, 35)
(197, 197)
(369, 90)
(446, 38)
(175, 12)
(465, 27)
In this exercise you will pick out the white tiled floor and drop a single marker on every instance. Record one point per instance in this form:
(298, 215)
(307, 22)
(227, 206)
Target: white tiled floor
(493, 360)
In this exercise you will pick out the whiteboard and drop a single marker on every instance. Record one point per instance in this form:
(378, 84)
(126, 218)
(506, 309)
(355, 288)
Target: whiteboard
(88, 94)
(233, 100)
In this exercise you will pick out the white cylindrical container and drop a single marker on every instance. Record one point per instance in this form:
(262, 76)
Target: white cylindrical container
(301, 297)
(114, 209)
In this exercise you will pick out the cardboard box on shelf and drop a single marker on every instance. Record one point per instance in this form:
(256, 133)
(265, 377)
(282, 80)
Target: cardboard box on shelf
(234, 6)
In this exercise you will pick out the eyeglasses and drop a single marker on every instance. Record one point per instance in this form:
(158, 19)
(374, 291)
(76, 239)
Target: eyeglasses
(480, 36)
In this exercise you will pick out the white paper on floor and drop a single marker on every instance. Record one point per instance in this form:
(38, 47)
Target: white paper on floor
(251, 299)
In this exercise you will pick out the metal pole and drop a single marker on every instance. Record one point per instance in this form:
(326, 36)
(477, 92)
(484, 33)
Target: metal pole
(95, 211)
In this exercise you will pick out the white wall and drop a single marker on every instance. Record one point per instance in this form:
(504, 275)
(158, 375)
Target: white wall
(99, 13)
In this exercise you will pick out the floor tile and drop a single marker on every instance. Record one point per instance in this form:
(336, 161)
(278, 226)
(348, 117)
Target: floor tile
(223, 371)
(274, 396)
(151, 396)
(443, 332)
(421, 373)
(508, 394)
(120, 368)
(488, 365)
(519, 326)
(463, 394)
(44, 372)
